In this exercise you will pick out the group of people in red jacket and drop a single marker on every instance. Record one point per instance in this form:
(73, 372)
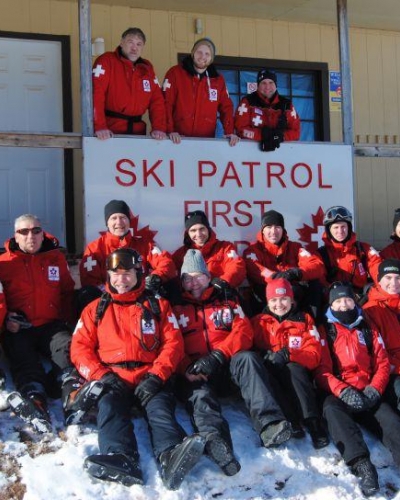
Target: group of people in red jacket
(155, 328)
(193, 96)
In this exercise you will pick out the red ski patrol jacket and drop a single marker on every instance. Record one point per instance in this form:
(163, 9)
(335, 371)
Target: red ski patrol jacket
(130, 89)
(125, 335)
(263, 259)
(355, 366)
(383, 311)
(193, 101)
(352, 261)
(392, 251)
(3, 306)
(210, 323)
(92, 267)
(221, 258)
(255, 112)
(297, 332)
(38, 285)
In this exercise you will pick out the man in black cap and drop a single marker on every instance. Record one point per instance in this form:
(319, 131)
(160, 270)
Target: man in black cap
(157, 264)
(392, 251)
(195, 93)
(383, 308)
(273, 255)
(266, 116)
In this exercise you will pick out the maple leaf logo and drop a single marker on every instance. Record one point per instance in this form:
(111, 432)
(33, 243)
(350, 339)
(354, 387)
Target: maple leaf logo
(144, 233)
(311, 236)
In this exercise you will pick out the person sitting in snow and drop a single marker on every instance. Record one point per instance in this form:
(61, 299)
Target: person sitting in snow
(289, 342)
(218, 338)
(127, 347)
(354, 373)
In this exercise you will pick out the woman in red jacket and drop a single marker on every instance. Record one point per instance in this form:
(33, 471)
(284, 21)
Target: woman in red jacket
(383, 309)
(354, 373)
(129, 348)
(289, 343)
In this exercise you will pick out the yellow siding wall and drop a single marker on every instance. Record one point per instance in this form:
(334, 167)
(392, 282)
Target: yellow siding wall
(375, 70)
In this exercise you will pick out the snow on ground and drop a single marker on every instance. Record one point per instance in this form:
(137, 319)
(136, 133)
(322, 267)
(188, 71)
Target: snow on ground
(53, 470)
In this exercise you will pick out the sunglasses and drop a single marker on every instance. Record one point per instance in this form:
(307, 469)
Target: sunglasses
(26, 230)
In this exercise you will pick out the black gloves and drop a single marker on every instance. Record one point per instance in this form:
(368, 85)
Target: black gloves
(148, 387)
(353, 398)
(19, 318)
(293, 274)
(153, 283)
(223, 287)
(271, 138)
(111, 381)
(208, 365)
(279, 358)
(372, 396)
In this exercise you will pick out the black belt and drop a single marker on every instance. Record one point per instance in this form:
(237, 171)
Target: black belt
(128, 365)
(130, 119)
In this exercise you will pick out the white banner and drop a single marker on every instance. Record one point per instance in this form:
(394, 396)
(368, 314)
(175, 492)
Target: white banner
(161, 181)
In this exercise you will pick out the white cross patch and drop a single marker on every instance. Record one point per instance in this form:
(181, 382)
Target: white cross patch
(156, 251)
(90, 264)
(314, 333)
(242, 109)
(172, 320)
(293, 113)
(372, 251)
(78, 326)
(304, 253)
(156, 81)
(239, 311)
(183, 320)
(252, 256)
(98, 70)
(257, 121)
(166, 85)
(232, 254)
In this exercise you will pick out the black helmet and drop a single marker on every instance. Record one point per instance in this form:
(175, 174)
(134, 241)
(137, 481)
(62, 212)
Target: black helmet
(337, 214)
(124, 258)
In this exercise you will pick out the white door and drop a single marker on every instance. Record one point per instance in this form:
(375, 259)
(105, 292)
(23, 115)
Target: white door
(31, 179)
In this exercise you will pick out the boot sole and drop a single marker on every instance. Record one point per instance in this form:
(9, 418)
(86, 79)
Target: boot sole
(190, 455)
(20, 406)
(106, 474)
(222, 455)
(282, 435)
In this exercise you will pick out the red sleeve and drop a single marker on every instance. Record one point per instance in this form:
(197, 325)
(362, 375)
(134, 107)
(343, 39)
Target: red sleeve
(3, 307)
(67, 292)
(234, 267)
(157, 111)
(100, 81)
(311, 264)
(92, 266)
(225, 108)
(257, 273)
(170, 89)
(373, 261)
(309, 354)
(380, 364)
(240, 338)
(243, 123)
(323, 374)
(161, 263)
(292, 132)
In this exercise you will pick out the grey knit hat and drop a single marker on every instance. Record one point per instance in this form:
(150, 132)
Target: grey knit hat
(194, 262)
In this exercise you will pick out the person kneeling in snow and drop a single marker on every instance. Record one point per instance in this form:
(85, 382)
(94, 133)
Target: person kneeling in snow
(217, 338)
(128, 347)
(354, 372)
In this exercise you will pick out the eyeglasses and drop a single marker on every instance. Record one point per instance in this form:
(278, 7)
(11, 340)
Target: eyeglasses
(191, 279)
(26, 230)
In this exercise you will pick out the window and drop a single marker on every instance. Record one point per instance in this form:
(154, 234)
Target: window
(306, 84)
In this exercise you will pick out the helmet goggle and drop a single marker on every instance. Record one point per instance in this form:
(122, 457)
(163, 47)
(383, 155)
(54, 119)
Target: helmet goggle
(124, 260)
(337, 214)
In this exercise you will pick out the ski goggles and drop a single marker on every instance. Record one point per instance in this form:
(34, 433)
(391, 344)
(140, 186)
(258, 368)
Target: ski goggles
(124, 259)
(334, 214)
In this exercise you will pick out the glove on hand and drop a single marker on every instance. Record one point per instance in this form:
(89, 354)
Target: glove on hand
(153, 283)
(20, 319)
(279, 358)
(223, 287)
(112, 381)
(372, 396)
(271, 139)
(208, 365)
(148, 387)
(293, 274)
(352, 398)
